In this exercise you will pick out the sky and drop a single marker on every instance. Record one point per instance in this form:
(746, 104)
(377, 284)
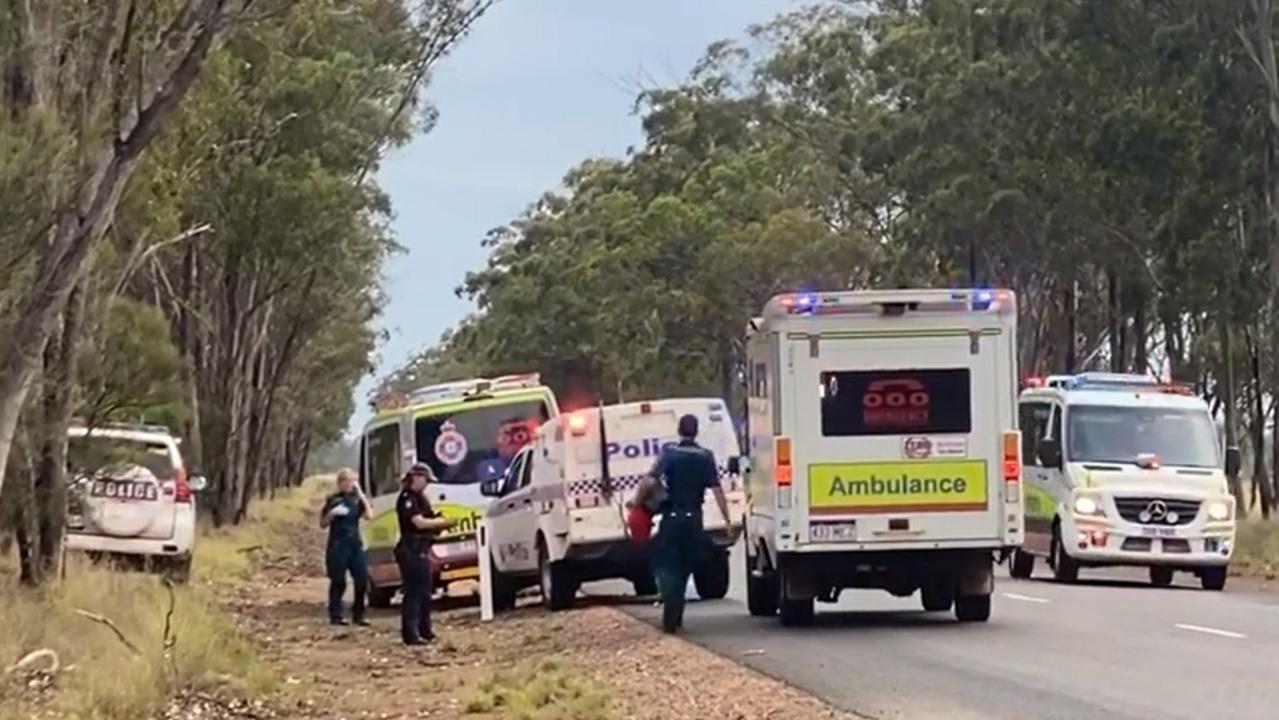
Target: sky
(538, 87)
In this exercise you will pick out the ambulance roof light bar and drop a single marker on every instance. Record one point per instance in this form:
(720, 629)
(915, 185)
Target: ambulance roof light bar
(473, 387)
(891, 302)
(1104, 381)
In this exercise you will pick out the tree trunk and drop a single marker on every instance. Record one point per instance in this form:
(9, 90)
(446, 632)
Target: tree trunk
(1260, 478)
(1114, 319)
(51, 475)
(1069, 342)
(1141, 362)
(1228, 406)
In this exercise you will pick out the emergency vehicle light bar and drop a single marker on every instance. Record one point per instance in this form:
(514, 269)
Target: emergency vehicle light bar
(892, 302)
(473, 387)
(1108, 381)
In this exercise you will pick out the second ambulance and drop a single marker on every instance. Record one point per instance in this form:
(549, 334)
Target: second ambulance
(1124, 470)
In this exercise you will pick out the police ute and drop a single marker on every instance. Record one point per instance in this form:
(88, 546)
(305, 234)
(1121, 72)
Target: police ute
(558, 517)
(884, 450)
(1124, 470)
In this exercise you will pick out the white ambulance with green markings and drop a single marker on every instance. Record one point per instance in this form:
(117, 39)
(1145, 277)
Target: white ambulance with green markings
(1124, 470)
(883, 448)
(468, 432)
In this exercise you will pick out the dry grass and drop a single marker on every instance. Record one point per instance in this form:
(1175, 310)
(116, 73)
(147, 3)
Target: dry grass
(549, 691)
(101, 677)
(1257, 549)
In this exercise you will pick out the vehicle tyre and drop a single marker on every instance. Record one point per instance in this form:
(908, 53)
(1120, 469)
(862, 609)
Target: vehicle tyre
(559, 587)
(644, 583)
(937, 597)
(1161, 576)
(794, 612)
(177, 570)
(1213, 578)
(712, 577)
(761, 590)
(1021, 565)
(1065, 569)
(504, 590)
(380, 597)
(972, 608)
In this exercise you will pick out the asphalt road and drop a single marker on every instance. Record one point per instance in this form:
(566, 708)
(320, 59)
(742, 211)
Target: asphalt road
(1111, 647)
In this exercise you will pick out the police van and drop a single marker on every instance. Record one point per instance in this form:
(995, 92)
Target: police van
(884, 450)
(558, 518)
(1124, 470)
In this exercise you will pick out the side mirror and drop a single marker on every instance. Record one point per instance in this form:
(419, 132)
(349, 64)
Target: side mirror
(1050, 453)
(1234, 461)
(198, 483)
(491, 488)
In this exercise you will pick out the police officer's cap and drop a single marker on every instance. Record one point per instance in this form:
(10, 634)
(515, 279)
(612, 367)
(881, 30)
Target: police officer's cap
(421, 468)
(688, 426)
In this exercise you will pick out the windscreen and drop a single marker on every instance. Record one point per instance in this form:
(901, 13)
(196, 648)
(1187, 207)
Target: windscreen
(474, 445)
(1176, 436)
(100, 454)
(895, 402)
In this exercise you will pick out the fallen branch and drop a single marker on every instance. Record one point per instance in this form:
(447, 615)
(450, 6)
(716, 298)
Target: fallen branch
(170, 638)
(102, 620)
(33, 657)
(251, 548)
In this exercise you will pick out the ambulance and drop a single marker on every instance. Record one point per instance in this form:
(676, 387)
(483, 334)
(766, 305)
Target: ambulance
(884, 450)
(558, 518)
(467, 431)
(1124, 470)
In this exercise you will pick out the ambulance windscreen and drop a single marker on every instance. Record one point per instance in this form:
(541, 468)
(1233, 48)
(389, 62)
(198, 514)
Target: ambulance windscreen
(477, 444)
(896, 402)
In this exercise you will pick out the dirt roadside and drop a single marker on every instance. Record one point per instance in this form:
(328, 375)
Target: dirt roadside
(594, 663)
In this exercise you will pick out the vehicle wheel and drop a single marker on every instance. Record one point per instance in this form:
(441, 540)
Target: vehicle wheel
(937, 597)
(1160, 576)
(761, 591)
(711, 578)
(972, 608)
(504, 591)
(380, 597)
(1022, 565)
(1213, 578)
(644, 583)
(794, 612)
(176, 569)
(1065, 569)
(559, 587)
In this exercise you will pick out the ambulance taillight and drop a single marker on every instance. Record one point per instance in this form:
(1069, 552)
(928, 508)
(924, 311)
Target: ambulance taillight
(577, 425)
(1012, 466)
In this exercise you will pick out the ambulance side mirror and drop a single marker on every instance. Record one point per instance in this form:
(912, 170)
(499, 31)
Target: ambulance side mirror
(492, 488)
(1234, 462)
(1050, 453)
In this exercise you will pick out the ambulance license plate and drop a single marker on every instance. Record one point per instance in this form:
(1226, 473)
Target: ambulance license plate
(1159, 532)
(845, 531)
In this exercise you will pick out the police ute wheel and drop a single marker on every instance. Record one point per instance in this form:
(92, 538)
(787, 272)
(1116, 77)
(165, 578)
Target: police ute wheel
(712, 577)
(644, 583)
(1160, 576)
(1021, 565)
(1213, 578)
(761, 590)
(380, 597)
(559, 588)
(972, 608)
(504, 590)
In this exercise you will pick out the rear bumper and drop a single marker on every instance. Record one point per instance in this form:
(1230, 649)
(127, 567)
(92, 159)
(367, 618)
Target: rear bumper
(126, 546)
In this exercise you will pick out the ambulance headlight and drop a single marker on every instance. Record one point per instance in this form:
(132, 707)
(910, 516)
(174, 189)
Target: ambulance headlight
(1219, 510)
(1087, 505)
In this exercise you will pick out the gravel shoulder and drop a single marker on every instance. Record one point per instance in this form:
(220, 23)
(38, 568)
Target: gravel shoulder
(593, 663)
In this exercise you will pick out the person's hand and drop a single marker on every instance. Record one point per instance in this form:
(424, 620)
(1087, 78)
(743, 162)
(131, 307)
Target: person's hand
(338, 511)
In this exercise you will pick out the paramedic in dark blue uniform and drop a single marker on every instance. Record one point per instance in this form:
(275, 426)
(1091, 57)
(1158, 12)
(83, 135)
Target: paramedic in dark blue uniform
(418, 526)
(344, 554)
(688, 471)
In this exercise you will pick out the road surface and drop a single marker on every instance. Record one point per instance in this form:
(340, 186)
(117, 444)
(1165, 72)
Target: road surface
(1112, 647)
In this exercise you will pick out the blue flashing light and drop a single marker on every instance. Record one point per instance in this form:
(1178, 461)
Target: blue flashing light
(983, 299)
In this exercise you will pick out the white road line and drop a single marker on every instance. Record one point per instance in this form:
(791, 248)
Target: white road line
(1027, 598)
(1211, 631)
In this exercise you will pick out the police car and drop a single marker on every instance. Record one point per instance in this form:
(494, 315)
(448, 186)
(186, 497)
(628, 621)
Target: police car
(558, 518)
(1124, 470)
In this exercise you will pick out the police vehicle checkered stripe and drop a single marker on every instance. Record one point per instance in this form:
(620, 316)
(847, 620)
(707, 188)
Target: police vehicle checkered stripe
(595, 486)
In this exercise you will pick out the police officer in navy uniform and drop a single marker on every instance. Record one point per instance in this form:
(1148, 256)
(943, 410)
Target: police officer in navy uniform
(688, 471)
(419, 524)
(341, 515)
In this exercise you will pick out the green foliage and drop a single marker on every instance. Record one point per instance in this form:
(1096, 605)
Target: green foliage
(131, 370)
